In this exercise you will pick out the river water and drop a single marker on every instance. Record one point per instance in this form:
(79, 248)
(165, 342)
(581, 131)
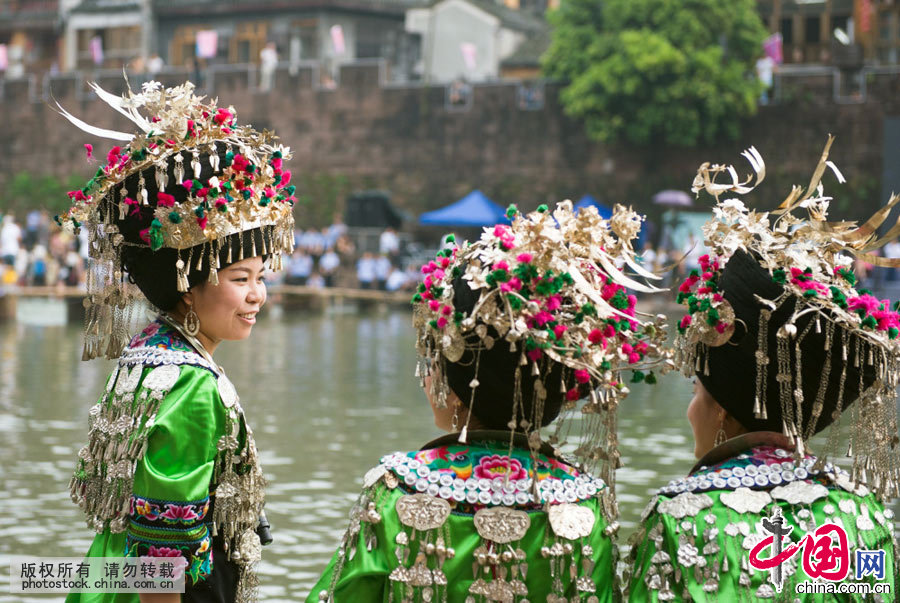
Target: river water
(326, 395)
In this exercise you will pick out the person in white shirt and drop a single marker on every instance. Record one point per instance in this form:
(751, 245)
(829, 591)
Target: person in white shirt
(10, 239)
(397, 280)
(268, 61)
(389, 242)
(299, 268)
(328, 264)
(365, 271)
(383, 268)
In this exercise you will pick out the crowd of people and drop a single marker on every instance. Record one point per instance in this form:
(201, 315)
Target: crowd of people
(38, 253)
(329, 258)
(35, 252)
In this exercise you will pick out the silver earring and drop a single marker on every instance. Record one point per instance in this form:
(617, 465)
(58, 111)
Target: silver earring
(191, 322)
(454, 422)
(721, 436)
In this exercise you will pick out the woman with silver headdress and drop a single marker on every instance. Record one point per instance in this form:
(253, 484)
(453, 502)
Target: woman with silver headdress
(782, 345)
(513, 330)
(188, 210)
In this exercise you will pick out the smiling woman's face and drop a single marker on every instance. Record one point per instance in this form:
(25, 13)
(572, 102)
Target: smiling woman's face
(228, 310)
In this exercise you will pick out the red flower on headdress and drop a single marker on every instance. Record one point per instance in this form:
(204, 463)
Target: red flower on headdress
(90, 150)
(222, 115)
(165, 199)
(113, 155)
(240, 163)
(202, 222)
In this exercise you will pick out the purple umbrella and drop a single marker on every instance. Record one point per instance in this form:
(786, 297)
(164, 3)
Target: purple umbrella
(673, 198)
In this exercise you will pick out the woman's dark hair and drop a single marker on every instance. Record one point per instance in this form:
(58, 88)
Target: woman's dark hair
(495, 394)
(732, 368)
(154, 272)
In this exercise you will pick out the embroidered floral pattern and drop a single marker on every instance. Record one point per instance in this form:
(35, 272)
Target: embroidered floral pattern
(144, 509)
(496, 465)
(161, 528)
(484, 475)
(160, 335)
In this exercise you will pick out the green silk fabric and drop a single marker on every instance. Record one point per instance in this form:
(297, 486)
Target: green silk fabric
(177, 466)
(365, 576)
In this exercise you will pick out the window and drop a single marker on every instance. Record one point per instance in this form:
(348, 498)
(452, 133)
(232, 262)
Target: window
(248, 40)
(787, 31)
(812, 30)
(307, 31)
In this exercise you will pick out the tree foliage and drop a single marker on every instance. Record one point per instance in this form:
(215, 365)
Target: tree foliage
(25, 191)
(676, 72)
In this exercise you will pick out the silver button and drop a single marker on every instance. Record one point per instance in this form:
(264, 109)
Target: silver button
(459, 495)
(431, 489)
(446, 479)
(508, 500)
(446, 492)
(484, 497)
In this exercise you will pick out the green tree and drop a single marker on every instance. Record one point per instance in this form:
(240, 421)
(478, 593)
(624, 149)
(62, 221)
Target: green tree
(676, 72)
(25, 191)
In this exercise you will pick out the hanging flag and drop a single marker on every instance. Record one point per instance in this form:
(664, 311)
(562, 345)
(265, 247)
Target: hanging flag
(207, 43)
(337, 39)
(469, 52)
(865, 16)
(773, 46)
(4, 59)
(96, 46)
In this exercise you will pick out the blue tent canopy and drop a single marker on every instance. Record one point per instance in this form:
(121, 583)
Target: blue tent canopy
(475, 209)
(604, 211)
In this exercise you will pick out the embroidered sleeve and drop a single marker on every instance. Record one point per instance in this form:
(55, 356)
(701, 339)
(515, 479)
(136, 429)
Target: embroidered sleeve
(170, 505)
(162, 528)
